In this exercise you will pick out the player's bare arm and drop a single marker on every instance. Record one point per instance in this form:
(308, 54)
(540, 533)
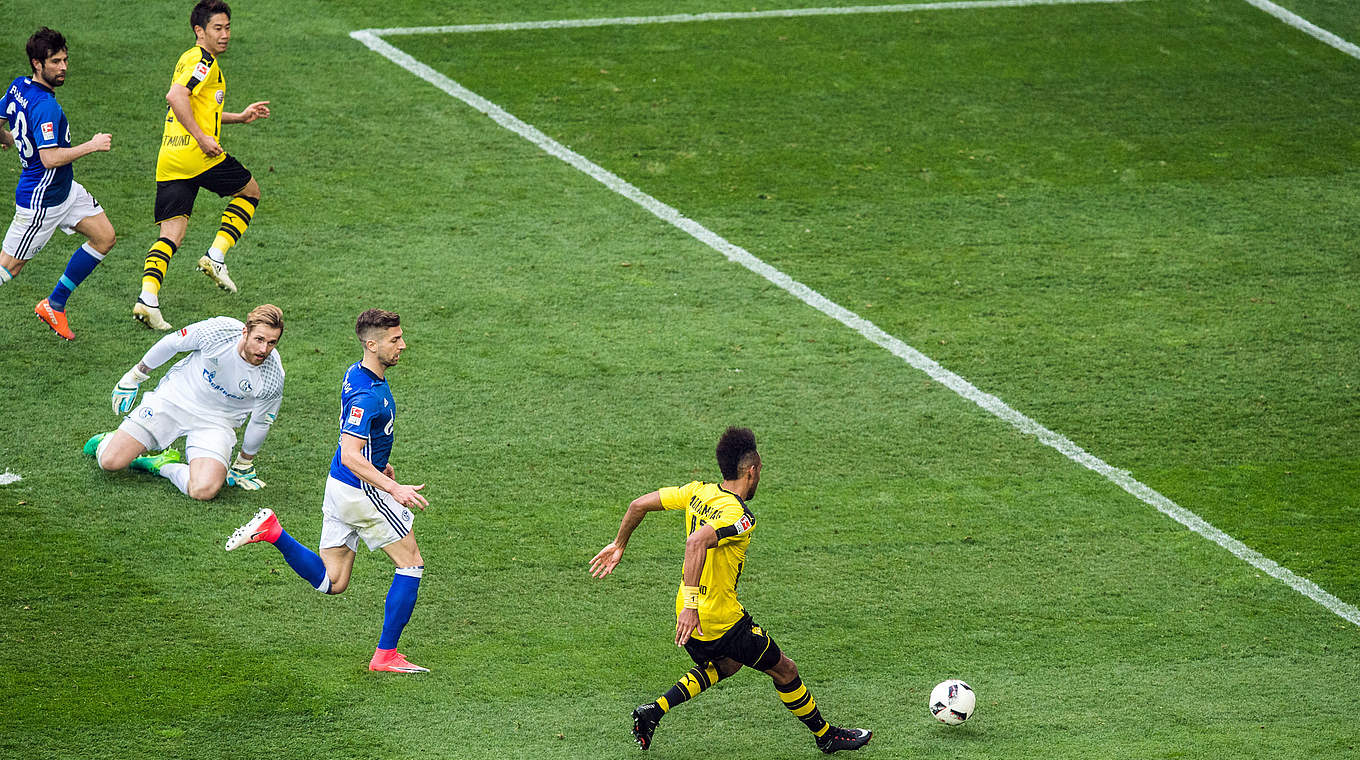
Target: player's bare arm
(178, 98)
(53, 157)
(257, 110)
(696, 553)
(352, 456)
(608, 558)
(6, 139)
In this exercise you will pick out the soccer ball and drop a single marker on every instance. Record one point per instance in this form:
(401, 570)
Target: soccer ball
(952, 702)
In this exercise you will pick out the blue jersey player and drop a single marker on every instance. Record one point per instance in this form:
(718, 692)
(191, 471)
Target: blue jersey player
(363, 498)
(47, 196)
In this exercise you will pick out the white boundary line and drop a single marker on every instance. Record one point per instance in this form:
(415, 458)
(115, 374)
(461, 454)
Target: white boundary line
(1306, 26)
(685, 18)
(370, 38)
(8, 477)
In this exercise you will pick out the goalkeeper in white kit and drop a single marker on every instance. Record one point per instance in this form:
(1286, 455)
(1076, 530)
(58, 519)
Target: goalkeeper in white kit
(232, 372)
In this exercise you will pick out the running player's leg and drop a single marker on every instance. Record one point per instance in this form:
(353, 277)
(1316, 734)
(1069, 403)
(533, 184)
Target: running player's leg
(25, 236)
(229, 179)
(235, 219)
(334, 562)
(100, 239)
(704, 674)
(401, 600)
(9, 267)
(174, 204)
(799, 701)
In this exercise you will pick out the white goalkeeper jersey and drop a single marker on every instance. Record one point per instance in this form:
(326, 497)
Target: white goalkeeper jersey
(213, 381)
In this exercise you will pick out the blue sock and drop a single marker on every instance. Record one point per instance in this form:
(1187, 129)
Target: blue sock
(82, 262)
(401, 599)
(304, 562)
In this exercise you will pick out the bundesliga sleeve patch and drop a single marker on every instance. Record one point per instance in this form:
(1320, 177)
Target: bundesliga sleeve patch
(356, 416)
(201, 70)
(49, 130)
(743, 525)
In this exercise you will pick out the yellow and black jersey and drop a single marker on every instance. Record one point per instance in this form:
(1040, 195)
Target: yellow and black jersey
(709, 504)
(180, 156)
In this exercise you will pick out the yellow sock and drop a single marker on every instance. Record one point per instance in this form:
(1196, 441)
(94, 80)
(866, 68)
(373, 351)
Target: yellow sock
(798, 699)
(235, 219)
(157, 261)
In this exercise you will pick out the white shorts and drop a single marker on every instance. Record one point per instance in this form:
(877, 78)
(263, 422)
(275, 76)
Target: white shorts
(349, 513)
(156, 424)
(32, 228)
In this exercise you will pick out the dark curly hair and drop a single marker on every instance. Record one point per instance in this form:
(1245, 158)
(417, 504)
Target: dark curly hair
(44, 44)
(736, 451)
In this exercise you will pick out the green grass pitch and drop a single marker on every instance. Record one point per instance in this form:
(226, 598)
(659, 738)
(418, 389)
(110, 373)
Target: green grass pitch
(1135, 223)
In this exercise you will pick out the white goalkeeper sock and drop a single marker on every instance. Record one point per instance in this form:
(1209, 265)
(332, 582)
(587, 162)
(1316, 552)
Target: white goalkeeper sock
(177, 473)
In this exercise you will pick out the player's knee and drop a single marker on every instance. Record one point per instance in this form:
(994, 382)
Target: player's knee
(203, 491)
(338, 587)
(784, 671)
(104, 243)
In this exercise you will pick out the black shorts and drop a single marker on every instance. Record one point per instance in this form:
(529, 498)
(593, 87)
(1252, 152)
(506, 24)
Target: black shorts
(745, 642)
(175, 197)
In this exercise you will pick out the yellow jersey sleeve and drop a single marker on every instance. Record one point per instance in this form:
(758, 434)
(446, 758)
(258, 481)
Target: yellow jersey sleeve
(673, 497)
(192, 68)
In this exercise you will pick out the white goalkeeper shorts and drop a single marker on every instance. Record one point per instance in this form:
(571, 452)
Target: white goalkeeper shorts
(33, 227)
(349, 514)
(156, 424)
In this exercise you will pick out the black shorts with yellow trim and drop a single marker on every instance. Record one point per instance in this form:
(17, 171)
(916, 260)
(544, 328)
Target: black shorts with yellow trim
(745, 642)
(175, 197)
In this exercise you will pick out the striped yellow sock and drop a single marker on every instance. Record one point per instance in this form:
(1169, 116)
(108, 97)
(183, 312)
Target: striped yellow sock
(157, 261)
(695, 681)
(235, 219)
(798, 699)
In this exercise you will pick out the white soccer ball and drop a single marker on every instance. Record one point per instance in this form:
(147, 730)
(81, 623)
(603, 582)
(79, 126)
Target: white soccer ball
(952, 702)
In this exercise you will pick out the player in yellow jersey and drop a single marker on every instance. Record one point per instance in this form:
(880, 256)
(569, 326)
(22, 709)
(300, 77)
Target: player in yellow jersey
(191, 157)
(712, 626)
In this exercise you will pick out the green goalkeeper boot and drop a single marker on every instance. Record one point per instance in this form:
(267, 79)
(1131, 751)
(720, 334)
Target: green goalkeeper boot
(153, 463)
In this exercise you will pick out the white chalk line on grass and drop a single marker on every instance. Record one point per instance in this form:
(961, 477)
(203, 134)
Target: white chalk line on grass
(1306, 26)
(870, 331)
(8, 477)
(685, 18)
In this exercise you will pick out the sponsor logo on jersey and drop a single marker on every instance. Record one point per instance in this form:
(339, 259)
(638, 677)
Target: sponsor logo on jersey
(356, 415)
(210, 377)
(220, 97)
(49, 130)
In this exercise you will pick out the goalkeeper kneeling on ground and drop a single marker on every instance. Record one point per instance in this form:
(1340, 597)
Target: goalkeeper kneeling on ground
(231, 373)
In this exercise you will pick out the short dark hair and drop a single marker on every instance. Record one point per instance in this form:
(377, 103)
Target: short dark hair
(736, 451)
(373, 320)
(44, 44)
(206, 9)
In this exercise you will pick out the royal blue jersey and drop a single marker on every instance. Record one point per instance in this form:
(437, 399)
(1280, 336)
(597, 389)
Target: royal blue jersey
(37, 122)
(367, 411)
